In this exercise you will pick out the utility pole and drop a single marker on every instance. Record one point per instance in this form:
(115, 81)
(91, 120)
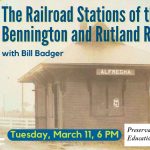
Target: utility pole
(22, 102)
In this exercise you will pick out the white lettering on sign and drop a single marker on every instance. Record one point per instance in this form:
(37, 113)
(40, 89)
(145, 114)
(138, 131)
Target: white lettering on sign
(129, 72)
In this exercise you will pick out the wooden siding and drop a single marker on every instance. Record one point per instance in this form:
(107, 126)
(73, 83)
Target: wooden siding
(74, 104)
(40, 101)
(136, 101)
(77, 114)
(50, 107)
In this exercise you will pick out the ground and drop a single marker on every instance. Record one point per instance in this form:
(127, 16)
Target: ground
(7, 145)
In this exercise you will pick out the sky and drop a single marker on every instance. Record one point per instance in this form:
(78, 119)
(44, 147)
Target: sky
(11, 69)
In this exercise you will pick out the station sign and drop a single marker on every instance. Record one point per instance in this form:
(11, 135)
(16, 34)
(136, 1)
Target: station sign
(117, 72)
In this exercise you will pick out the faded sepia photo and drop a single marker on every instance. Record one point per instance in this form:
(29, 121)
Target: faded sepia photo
(86, 85)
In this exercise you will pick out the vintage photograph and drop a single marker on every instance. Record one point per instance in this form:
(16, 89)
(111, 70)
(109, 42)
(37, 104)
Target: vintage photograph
(98, 79)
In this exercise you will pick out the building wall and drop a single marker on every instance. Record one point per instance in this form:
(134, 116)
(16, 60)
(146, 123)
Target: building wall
(75, 107)
(50, 107)
(40, 106)
(44, 103)
(137, 101)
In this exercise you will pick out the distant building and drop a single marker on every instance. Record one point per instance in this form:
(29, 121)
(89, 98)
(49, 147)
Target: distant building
(92, 86)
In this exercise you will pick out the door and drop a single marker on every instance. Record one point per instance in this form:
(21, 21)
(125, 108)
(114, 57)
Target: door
(115, 97)
(99, 98)
(107, 97)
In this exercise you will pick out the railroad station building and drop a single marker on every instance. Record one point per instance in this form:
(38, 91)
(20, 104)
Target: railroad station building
(94, 85)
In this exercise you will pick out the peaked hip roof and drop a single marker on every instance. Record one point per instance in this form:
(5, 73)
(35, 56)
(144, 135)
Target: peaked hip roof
(94, 53)
(102, 54)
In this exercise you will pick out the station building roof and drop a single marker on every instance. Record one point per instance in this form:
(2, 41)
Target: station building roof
(94, 54)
